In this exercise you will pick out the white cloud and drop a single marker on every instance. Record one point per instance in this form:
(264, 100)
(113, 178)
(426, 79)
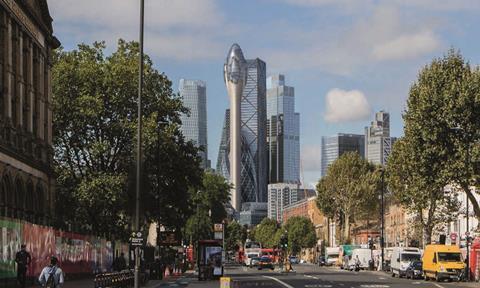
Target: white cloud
(174, 29)
(343, 49)
(345, 106)
(407, 46)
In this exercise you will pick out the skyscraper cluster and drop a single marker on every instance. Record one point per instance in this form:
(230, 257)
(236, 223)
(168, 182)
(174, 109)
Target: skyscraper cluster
(375, 145)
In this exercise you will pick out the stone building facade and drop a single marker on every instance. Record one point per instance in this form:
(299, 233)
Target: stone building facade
(26, 154)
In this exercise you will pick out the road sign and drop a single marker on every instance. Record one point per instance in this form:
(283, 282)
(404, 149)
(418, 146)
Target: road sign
(453, 236)
(218, 227)
(168, 238)
(137, 239)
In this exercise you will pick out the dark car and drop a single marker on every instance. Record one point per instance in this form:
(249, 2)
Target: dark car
(414, 270)
(265, 263)
(321, 261)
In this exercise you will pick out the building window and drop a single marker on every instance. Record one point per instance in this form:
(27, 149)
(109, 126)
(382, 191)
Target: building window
(26, 71)
(3, 42)
(13, 87)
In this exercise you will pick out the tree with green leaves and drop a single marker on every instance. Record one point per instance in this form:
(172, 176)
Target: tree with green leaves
(440, 124)
(95, 114)
(265, 232)
(349, 188)
(199, 226)
(214, 195)
(235, 236)
(300, 233)
(419, 190)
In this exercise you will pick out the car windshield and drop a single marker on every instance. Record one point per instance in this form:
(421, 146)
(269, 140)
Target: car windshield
(256, 259)
(252, 255)
(417, 265)
(449, 257)
(266, 260)
(410, 257)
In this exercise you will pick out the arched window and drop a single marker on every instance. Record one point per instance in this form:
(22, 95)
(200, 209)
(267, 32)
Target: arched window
(29, 199)
(19, 198)
(9, 194)
(40, 201)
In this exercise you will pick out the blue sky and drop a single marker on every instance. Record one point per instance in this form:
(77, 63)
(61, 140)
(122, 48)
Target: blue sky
(345, 58)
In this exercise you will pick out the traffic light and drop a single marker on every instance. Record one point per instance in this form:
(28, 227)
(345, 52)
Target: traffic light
(370, 244)
(283, 242)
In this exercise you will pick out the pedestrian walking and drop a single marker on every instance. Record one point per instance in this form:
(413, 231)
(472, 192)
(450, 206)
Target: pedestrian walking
(52, 275)
(23, 259)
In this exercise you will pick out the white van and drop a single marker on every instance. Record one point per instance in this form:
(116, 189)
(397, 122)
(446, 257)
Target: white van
(402, 257)
(361, 255)
(331, 255)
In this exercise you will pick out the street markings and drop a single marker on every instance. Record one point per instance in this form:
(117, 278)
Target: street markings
(279, 281)
(382, 278)
(438, 285)
(374, 286)
(318, 286)
(310, 276)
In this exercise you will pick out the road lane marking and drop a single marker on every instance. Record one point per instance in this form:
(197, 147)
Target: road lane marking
(382, 278)
(374, 286)
(279, 281)
(310, 276)
(438, 285)
(317, 286)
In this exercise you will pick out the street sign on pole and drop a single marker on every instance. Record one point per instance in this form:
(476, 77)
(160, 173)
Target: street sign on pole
(137, 239)
(453, 236)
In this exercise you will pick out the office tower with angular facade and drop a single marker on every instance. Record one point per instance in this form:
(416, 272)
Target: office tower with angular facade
(283, 128)
(194, 124)
(378, 143)
(254, 133)
(279, 196)
(334, 146)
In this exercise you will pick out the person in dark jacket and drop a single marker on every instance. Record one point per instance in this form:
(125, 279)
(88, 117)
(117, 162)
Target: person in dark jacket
(23, 260)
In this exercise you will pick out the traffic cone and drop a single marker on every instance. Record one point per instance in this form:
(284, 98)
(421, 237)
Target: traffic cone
(167, 272)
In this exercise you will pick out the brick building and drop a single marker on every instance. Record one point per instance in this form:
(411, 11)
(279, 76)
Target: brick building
(26, 154)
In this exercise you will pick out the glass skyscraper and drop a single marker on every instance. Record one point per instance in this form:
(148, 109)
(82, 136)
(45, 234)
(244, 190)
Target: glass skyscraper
(334, 146)
(194, 124)
(254, 157)
(283, 128)
(378, 143)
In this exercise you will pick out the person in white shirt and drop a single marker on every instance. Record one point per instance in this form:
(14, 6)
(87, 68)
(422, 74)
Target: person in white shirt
(54, 271)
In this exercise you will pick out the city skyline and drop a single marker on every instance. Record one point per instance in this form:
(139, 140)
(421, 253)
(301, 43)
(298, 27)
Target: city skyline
(367, 53)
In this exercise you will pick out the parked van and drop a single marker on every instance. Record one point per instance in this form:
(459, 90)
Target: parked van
(361, 255)
(442, 262)
(401, 258)
(331, 255)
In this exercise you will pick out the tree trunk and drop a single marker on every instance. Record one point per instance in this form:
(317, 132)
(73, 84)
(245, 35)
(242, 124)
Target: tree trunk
(473, 201)
(346, 231)
(427, 235)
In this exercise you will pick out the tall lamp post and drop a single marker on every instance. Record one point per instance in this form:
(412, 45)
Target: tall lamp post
(382, 216)
(139, 146)
(467, 232)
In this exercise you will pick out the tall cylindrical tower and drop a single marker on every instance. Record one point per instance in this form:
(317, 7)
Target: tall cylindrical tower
(235, 76)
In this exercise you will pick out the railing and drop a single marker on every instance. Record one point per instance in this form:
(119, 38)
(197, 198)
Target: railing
(122, 279)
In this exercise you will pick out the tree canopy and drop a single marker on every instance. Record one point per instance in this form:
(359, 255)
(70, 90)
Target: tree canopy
(349, 188)
(95, 119)
(440, 125)
(301, 233)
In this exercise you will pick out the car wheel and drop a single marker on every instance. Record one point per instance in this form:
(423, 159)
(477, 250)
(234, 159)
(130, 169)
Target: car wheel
(437, 278)
(393, 275)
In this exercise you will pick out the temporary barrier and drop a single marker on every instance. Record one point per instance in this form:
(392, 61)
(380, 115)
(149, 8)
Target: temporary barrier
(122, 279)
(77, 253)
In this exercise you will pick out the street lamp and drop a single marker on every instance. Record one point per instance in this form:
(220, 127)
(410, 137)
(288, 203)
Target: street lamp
(382, 216)
(139, 146)
(467, 232)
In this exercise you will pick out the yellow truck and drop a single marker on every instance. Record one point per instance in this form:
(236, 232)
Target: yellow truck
(442, 262)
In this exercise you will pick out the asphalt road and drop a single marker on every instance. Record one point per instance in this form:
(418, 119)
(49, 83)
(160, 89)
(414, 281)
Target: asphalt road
(311, 276)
